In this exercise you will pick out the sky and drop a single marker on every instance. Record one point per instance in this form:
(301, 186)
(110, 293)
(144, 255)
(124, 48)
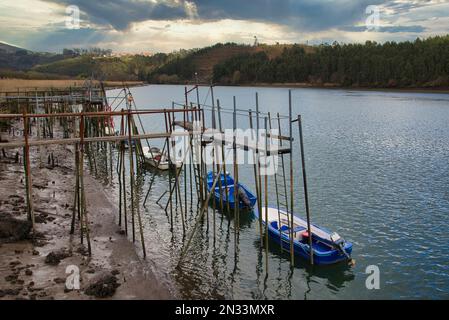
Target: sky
(166, 25)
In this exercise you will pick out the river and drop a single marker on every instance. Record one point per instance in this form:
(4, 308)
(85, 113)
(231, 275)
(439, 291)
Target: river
(378, 174)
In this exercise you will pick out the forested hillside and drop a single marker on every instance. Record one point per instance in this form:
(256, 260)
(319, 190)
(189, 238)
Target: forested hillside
(197, 63)
(422, 63)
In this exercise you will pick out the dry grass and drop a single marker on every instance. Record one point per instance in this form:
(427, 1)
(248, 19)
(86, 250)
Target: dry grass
(205, 62)
(14, 84)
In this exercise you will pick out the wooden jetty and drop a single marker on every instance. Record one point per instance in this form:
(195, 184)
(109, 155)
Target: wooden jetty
(88, 119)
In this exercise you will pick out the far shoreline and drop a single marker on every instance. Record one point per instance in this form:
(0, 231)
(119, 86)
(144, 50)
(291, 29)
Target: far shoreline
(14, 84)
(305, 86)
(444, 90)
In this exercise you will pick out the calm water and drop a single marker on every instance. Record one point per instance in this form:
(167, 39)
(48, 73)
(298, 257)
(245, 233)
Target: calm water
(378, 174)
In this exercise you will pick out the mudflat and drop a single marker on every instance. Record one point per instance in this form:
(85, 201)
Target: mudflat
(37, 265)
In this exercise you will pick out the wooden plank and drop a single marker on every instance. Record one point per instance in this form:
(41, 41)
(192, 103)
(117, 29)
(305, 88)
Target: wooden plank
(92, 139)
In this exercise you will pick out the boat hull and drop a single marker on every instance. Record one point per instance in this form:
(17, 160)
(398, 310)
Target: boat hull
(161, 164)
(164, 166)
(323, 254)
(227, 192)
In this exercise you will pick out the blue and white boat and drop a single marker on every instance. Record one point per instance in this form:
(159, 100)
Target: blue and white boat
(245, 198)
(328, 247)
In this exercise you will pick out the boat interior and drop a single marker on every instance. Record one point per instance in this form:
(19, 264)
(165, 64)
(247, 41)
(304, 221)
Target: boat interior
(300, 234)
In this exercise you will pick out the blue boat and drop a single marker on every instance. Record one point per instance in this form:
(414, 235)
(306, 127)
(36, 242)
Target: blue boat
(245, 197)
(328, 248)
(126, 143)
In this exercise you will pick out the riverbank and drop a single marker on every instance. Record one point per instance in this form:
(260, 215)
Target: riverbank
(14, 84)
(312, 86)
(338, 87)
(28, 267)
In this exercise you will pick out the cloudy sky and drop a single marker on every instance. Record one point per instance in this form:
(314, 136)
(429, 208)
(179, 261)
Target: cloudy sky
(167, 25)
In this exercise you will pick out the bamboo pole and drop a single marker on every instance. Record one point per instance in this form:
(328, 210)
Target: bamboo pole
(214, 164)
(185, 114)
(122, 169)
(77, 184)
(169, 177)
(91, 114)
(90, 139)
(28, 180)
(236, 197)
(277, 191)
(200, 164)
(177, 179)
(131, 177)
(204, 165)
(282, 162)
(292, 251)
(223, 157)
(84, 219)
(119, 177)
(195, 226)
(111, 161)
(190, 166)
(256, 179)
(131, 172)
(259, 196)
(306, 196)
(266, 193)
(214, 126)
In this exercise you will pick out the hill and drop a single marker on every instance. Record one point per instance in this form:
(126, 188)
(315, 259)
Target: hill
(417, 64)
(75, 64)
(199, 64)
(8, 49)
(128, 68)
(18, 59)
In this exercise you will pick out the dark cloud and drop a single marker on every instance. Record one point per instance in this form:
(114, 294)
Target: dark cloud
(121, 13)
(309, 15)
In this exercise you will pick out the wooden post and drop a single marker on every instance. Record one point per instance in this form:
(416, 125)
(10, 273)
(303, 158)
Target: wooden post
(214, 127)
(84, 219)
(236, 195)
(223, 156)
(167, 130)
(131, 171)
(200, 215)
(77, 186)
(204, 165)
(266, 194)
(276, 185)
(259, 196)
(183, 164)
(191, 162)
(131, 177)
(256, 177)
(119, 177)
(292, 251)
(306, 197)
(282, 163)
(122, 172)
(27, 163)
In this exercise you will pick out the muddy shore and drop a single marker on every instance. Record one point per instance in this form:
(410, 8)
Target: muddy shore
(19, 84)
(28, 267)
